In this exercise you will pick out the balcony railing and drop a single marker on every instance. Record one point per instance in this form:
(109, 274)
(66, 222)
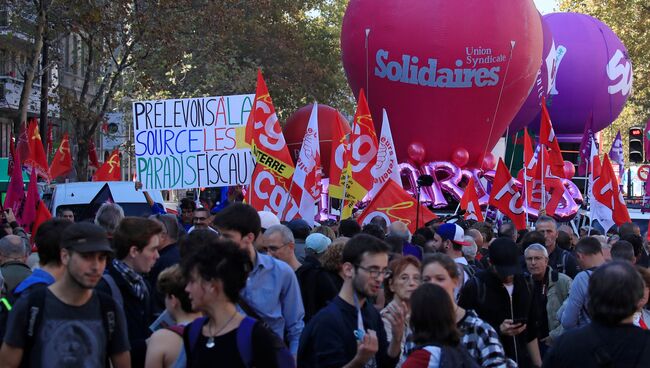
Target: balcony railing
(10, 90)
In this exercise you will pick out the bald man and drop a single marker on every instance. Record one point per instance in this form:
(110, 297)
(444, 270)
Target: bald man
(13, 258)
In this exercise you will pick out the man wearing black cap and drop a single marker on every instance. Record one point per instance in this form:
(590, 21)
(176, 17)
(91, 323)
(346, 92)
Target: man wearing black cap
(503, 297)
(68, 323)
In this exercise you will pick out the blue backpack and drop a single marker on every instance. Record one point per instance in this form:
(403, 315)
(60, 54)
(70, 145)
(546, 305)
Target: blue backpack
(283, 356)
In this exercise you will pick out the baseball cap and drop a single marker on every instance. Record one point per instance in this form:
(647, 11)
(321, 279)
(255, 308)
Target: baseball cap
(300, 228)
(85, 237)
(317, 242)
(268, 219)
(452, 232)
(504, 256)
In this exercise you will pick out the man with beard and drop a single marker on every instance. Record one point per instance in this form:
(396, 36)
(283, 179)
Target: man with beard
(349, 332)
(70, 309)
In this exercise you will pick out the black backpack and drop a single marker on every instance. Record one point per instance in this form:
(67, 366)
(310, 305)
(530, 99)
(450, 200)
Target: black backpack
(36, 303)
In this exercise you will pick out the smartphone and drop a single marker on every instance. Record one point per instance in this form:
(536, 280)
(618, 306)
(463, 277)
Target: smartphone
(519, 321)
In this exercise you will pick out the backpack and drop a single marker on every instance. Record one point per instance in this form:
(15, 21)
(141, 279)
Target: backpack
(244, 343)
(36, 303)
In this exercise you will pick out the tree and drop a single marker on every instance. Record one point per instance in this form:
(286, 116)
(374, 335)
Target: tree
(115, 35)
(216, 47)
(37, 30)
(630, 20)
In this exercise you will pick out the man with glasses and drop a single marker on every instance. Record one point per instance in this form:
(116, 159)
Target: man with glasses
(201, 220)
(278, 242)
(550, 290)
(186, 218)
(349, 332)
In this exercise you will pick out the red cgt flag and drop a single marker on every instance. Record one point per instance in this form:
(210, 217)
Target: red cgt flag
(274, 168)
(62, 162)
(111, 169)
(360, 159)
(395, 204)
(506, 197)
(37, 158)
(469, 202)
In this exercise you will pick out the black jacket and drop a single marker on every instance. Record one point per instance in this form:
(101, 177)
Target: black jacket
(138, 313)
(564, 262)
(486, 295)
(316, 287)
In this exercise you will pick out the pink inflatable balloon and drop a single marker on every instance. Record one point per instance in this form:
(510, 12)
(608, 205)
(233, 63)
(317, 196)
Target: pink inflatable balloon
(476, 174)
(460, 157)
(489, 162)
(569, 169)
(428, 195)
(459, 70)
(416, 152)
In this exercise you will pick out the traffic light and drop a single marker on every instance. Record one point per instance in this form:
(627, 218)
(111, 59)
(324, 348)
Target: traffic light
(636, 145)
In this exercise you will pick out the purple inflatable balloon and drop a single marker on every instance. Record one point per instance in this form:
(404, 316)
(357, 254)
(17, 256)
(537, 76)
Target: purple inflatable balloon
(532, 107)
(593, 74)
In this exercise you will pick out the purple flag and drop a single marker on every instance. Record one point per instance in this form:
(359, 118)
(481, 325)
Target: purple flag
(616, 153)
(585, 147)
(646, 140)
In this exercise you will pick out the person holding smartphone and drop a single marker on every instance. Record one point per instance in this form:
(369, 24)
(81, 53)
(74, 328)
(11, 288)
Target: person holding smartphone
(503, 297)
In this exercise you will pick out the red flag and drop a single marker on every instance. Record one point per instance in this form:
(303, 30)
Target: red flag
(16, 190)
(469, 202)
(552, 184)
(92, 154)
(395, 204)
(42, 215)
(548, 139)
(37, 159)
(506, 197)
(62, 162)
(274, 167)
(361, 157)
(608, 204)
(110, 170)
(337, 159)
(12, 155)
(28, 209)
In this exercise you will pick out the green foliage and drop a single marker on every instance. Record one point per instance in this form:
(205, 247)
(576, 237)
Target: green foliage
(203, 48)
(630, 20)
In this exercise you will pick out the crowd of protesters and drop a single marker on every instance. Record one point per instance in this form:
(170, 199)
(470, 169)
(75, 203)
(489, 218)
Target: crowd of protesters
(234, 287)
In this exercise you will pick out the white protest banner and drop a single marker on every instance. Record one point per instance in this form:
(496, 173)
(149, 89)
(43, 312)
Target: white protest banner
(192, 143)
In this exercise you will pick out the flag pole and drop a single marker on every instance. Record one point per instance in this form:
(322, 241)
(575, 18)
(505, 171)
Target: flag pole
(525, 191)
(591, 205)
(367, 69)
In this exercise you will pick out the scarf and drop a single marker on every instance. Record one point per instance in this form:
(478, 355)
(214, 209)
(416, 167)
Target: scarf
(136, 283)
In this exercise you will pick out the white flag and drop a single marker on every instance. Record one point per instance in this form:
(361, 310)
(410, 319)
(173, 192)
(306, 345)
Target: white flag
(386, 167)
(306, 188)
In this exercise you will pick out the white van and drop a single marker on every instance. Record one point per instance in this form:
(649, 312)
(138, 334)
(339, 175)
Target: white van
(84, 198)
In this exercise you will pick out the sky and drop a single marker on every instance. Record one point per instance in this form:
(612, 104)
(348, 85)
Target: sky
(546, 6)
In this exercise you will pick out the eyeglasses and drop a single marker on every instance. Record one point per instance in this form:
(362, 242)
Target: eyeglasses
(200, 218)
(374, 273)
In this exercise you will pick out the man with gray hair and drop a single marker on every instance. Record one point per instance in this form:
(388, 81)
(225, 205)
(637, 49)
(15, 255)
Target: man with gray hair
(279, 242)
(13, 258)
(558, 258)
(400, 230)
(550, 290)
(108, 217)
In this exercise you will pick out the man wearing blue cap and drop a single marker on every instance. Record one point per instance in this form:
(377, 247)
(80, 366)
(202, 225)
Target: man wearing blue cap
(503, 297)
